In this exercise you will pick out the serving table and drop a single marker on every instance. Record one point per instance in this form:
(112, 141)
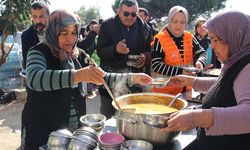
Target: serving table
(179, 143)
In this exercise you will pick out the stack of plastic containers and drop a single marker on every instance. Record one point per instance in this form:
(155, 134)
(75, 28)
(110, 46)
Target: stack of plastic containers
(9, 71)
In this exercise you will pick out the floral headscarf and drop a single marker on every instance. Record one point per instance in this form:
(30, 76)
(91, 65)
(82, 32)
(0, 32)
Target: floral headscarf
(57, 21)
(233, 27)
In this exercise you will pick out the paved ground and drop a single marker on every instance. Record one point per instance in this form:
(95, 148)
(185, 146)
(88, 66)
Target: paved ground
(10, 120)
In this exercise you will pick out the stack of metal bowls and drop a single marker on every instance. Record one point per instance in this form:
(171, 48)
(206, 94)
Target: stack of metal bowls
(110, 141)
(136, 145)
(95, 121)
(59, 139)
(84, 138)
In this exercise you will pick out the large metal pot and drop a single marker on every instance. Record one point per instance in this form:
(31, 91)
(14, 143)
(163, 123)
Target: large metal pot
(146, 126)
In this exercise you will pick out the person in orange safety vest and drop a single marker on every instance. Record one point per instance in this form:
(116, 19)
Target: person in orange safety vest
(174, 48)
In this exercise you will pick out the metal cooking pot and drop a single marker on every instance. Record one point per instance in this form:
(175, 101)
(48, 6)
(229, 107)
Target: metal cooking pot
(146, 126)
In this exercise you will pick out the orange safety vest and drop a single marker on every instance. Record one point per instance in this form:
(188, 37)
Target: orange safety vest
(173, 56)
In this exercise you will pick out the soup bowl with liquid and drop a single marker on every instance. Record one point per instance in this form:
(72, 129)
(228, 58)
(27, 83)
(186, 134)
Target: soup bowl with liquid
(142, 115)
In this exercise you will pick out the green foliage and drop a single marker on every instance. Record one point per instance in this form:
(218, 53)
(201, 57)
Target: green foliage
(160, 8)
(95, 58)
(12, 13)
(87, 15)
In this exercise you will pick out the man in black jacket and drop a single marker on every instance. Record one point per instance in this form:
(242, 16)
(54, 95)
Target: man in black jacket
(143, 13)
(123, 46)
(34, 34)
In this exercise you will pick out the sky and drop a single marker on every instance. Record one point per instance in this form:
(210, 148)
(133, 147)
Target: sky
(106, 11)
(242, 5)
(74, 5)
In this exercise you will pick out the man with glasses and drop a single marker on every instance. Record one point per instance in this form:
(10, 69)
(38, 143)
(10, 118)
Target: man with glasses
(34, 34)
(123, 46)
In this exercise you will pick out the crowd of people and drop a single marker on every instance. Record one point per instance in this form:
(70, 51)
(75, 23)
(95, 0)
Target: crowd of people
(131, 52)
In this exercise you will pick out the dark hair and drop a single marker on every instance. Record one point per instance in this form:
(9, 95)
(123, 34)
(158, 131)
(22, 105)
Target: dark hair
(101, 21)
(40, 5)
(92, 22)
(82, 31)
(141, 9)
(128, 3)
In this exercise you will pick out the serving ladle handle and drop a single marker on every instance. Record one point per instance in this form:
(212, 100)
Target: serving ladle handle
(105, 84)
(174, 99)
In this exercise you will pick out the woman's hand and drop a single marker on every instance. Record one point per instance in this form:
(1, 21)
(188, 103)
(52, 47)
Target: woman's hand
(199, 65)
(209, 66)
(183, 80)
(141, 78)
(180, 121)
(90, 74)
(187, 119)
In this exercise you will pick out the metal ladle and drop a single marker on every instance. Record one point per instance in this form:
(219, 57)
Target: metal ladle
(158, 121)
(105, 84)
(174, 99)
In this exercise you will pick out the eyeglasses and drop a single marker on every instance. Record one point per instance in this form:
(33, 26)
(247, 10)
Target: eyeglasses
(126, 14)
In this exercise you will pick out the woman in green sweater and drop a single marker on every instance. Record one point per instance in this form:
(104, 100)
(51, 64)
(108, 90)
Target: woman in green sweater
(57, 74)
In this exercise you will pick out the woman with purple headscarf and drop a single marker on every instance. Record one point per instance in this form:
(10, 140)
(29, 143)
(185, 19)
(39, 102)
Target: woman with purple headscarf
(224, 120)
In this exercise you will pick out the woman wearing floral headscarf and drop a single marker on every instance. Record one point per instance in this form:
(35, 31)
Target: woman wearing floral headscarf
(174, 47)
(56, 82)
(224, 121)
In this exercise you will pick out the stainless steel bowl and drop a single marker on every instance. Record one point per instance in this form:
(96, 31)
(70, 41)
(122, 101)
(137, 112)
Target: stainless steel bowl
(89, 140)
(58, 148)
(86, 131)
(116, 147)
(136, 145)
(95, 121)
(55, 141)
(59, 138)
(78, 144)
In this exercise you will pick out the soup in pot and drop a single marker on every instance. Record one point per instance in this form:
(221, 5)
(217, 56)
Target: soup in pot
(150, 108)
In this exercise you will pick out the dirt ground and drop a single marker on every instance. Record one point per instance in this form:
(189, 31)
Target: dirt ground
(10, 122)
(10, 119)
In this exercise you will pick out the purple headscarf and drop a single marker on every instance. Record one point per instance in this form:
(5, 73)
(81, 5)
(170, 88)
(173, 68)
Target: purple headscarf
(233, 27)
(57, 22)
